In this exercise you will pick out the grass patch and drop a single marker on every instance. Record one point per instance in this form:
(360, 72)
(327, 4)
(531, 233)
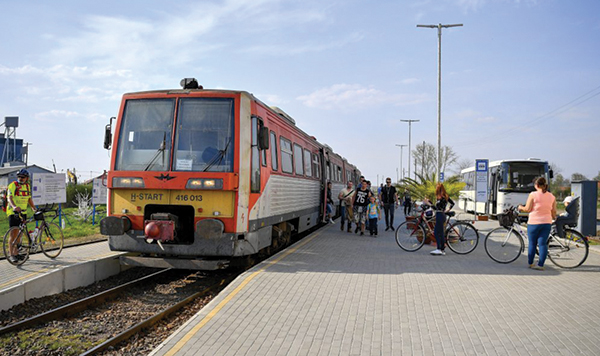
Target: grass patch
(45, 341)
(76, 230)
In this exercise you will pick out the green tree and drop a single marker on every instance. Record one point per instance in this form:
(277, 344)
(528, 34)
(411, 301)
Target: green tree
(424, 186)
(597, 177)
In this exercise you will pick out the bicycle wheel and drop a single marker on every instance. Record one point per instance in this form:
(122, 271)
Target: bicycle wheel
(569, 252)
(503, 245)
(462, 237)
(410, 236)
(52, 240)
(20, 245)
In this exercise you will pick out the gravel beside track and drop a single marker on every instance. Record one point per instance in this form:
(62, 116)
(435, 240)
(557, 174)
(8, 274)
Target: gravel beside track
(81, 332)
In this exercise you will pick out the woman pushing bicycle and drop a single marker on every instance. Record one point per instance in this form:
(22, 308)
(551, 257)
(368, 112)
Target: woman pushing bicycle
(442, 201)
(18, 198)
(541, 206)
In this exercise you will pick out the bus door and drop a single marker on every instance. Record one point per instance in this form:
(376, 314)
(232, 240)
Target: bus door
(493, 198)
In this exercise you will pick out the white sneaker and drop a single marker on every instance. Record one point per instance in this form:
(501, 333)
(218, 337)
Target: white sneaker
(331, 221)
(438, 252)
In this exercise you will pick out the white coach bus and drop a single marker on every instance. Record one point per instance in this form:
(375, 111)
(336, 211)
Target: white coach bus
(509, 184)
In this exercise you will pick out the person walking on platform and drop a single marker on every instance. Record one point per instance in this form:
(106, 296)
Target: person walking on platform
(371, 192)
(407, 203)
(389, 198)
(541, 206)
(345, 198)
(19, 198)
(329, 204)
(374, 215)
(442, 201)
(360, 201)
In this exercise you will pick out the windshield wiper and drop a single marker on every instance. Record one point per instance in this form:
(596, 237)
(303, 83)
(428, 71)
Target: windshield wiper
(218, 158)
(161, 149)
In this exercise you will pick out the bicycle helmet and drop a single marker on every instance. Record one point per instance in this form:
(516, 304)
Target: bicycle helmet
(23, 173)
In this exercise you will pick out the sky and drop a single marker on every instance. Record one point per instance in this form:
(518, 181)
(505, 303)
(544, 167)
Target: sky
(520, 78)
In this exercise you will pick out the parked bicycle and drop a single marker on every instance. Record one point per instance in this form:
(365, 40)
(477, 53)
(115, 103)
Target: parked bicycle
(505, 244)
(461, 236)
(48, 236)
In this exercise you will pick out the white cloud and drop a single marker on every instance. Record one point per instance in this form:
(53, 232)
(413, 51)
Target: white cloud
(289, 49)
(410, 81)
(355, 96)
(272, 99)
(56, 115)
(60, 116)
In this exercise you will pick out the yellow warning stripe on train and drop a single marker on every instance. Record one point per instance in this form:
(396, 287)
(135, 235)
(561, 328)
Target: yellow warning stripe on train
(204, 202)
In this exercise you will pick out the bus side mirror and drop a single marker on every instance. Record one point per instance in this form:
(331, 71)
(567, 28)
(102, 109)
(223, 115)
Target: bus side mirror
(550, 173)
(263, 138)
(108, 135)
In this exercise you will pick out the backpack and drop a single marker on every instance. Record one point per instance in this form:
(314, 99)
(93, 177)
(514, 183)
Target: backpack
(4, 194)
(3, 199)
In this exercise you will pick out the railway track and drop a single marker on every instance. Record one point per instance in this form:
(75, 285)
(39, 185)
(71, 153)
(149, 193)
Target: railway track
(101, 321)
(115, 322)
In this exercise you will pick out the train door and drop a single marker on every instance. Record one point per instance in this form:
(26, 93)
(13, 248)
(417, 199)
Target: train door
(259, 146)
(325, 174)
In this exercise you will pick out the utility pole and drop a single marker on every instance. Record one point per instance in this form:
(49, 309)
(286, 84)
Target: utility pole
(409, 133)
(439, 125)
(401, 147)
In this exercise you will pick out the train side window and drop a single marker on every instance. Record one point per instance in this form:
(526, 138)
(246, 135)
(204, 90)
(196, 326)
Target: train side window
(307, 163)
(263, 157)
(298, 161)
(316, 166)
(287, 165)
(274, 162)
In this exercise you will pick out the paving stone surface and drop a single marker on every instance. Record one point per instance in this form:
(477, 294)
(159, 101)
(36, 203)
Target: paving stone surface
(38, 264)
(338, 293)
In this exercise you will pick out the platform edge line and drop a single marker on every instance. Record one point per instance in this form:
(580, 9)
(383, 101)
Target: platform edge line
(233, 293)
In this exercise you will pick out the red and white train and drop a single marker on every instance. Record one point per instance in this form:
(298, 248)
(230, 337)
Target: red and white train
(200, 178)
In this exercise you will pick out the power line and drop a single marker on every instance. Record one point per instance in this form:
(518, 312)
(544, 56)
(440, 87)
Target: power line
(503, 134)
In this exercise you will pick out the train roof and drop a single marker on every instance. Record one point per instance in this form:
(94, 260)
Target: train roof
(274, 109)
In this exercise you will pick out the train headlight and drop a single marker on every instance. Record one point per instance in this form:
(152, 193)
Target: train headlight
(204, 183)
(128, 182)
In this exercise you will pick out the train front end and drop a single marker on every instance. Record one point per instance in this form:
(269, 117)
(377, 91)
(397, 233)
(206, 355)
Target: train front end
(177, 193)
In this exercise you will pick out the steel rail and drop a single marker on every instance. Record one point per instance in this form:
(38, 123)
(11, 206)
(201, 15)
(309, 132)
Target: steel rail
(153, 319)
(77, 306)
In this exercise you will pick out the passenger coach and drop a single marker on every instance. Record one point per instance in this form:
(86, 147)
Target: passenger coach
(199, 178)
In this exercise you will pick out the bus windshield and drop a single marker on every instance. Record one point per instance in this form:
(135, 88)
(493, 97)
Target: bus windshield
(145, 135)
(519, 176)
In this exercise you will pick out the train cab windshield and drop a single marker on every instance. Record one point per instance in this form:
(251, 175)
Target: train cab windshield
(203, 135)
(519, 176)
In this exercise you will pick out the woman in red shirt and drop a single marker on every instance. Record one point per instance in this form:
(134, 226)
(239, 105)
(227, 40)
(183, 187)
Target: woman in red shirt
(541, 206)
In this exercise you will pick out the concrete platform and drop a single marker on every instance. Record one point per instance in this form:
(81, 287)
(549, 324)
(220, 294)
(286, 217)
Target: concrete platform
(41, 276)
(337, 293)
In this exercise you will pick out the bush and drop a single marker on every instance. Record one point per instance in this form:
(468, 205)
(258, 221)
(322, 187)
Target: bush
(73, 189)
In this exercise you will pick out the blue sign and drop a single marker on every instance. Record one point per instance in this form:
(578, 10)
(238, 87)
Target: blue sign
(481, 165)
(441, 177)
(481, 180)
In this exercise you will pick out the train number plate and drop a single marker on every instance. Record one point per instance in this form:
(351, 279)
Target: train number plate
(188, 197)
